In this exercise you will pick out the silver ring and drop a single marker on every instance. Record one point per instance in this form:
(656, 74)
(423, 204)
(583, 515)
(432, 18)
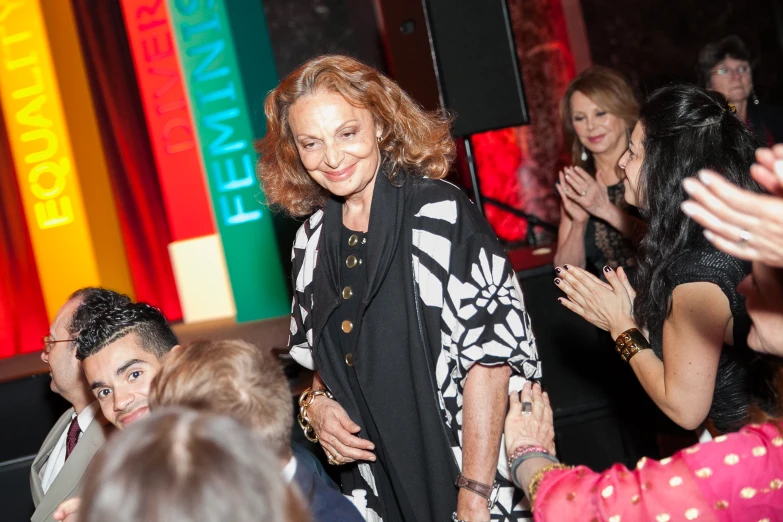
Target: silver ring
(527, 408)
(744, 237)
(332, 461)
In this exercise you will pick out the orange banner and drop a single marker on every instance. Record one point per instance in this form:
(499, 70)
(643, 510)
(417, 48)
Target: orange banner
(59, 161)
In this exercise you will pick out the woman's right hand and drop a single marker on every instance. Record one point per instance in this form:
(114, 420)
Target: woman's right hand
(529, 429)
(573, 209)
(337, 432)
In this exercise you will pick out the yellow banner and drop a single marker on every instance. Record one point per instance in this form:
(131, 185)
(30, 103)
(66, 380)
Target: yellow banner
(75, 232)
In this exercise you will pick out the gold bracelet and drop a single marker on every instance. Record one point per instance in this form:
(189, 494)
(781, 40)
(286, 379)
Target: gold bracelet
(630, 342)
(305, 400)
(535, 480)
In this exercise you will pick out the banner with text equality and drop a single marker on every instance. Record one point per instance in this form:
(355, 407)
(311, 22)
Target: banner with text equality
(53, 181)
(210, 67)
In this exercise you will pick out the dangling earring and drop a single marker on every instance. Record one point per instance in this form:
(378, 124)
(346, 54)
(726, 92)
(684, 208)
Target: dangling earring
(583, 157)
(754, 97)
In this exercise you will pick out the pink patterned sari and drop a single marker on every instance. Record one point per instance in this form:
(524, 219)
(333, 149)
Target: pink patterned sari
(736, 477)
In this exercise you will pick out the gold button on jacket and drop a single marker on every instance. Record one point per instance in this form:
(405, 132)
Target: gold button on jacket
(347, 326)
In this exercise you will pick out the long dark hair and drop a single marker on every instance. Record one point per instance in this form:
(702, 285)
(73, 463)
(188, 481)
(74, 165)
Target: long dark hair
(686, 129)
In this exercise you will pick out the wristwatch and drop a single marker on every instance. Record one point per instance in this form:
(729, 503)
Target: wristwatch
(488, 492)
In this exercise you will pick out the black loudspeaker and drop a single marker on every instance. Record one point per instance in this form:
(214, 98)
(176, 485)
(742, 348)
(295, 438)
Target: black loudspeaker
(457, 54)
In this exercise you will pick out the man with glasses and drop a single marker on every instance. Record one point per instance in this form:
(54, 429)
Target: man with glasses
(58, 468)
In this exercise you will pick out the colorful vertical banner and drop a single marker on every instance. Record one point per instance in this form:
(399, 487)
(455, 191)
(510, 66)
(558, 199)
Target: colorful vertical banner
(208, 56)
(64, 185)
(196, 253)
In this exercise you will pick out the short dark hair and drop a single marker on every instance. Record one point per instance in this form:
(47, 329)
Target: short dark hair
(147, 322)
(713, 53)
(94, 302)
(183, 466)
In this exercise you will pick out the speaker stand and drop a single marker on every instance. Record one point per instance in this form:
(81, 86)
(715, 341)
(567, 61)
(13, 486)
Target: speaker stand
(532, 220)
(473, 168)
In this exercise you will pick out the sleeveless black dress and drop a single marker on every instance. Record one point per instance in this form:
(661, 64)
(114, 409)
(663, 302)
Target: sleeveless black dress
(742, 373)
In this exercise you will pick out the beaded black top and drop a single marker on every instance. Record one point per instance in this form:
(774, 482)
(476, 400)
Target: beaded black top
(741, 376)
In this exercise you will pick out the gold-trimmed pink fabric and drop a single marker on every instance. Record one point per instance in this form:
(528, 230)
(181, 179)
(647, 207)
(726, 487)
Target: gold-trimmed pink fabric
(734, 477)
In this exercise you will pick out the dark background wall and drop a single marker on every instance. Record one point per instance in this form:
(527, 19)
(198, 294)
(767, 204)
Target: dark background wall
(302, 29)
(656, 42)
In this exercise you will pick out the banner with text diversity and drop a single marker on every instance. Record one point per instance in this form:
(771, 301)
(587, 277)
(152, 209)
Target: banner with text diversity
(62, 177)
(196, 254)
(208, 57)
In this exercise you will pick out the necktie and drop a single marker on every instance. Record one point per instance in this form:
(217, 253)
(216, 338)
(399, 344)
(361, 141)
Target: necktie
(72, 437)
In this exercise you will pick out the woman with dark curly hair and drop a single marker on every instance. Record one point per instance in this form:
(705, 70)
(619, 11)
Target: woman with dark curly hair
(405, 304)
(686, 306)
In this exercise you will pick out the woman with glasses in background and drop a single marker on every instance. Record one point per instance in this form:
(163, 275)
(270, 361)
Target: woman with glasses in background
(725, 66)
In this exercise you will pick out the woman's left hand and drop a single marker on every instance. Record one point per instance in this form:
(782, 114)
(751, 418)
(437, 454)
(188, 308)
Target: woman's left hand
(590, 194)
(739, 222)
(535, 428)
(608, 306)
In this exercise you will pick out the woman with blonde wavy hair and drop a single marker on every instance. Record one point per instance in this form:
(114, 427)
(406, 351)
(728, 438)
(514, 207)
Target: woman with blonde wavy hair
(405, 304)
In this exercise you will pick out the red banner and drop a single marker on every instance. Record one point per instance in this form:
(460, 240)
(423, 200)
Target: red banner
(168, 119)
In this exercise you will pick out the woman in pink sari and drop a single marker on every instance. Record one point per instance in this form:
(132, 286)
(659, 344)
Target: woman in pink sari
(738, 476)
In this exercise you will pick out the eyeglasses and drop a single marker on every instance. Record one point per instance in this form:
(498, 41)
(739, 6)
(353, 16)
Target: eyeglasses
(47, 342)
(742, 70)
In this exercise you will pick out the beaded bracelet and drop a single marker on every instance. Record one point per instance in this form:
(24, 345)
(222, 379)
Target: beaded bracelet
(521, 450)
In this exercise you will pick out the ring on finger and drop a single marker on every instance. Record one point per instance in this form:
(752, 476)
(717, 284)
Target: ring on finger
(332, 460)
(527, 408)
(744, 237)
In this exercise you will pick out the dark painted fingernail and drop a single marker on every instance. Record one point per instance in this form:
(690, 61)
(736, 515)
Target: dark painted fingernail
(558, 270)
(560, 300)
(557, 281)
(565, 266)
(607, 269)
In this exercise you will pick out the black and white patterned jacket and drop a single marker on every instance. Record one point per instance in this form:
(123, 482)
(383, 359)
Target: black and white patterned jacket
(467, 300)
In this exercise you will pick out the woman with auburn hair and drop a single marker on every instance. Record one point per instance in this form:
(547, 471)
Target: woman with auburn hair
(405, 303)
(597, 226)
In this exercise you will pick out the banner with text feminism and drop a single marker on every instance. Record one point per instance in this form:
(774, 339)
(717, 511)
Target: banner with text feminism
(208, 58)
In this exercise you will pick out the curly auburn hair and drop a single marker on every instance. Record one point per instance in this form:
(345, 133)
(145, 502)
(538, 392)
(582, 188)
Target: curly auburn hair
(609, 90)
(412, 139)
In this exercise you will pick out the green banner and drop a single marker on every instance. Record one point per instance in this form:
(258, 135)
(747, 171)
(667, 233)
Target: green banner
(208, 55)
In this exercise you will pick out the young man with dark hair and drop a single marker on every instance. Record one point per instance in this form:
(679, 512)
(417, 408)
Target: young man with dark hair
(121, 352)
(59, 467)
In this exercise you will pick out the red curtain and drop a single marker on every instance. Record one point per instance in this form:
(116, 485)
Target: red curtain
(518, 166)
(128, 153)
(23, 319)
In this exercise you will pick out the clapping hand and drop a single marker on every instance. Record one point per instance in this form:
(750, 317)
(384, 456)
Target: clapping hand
(585, 190)
(608, 306)
(742, 223)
